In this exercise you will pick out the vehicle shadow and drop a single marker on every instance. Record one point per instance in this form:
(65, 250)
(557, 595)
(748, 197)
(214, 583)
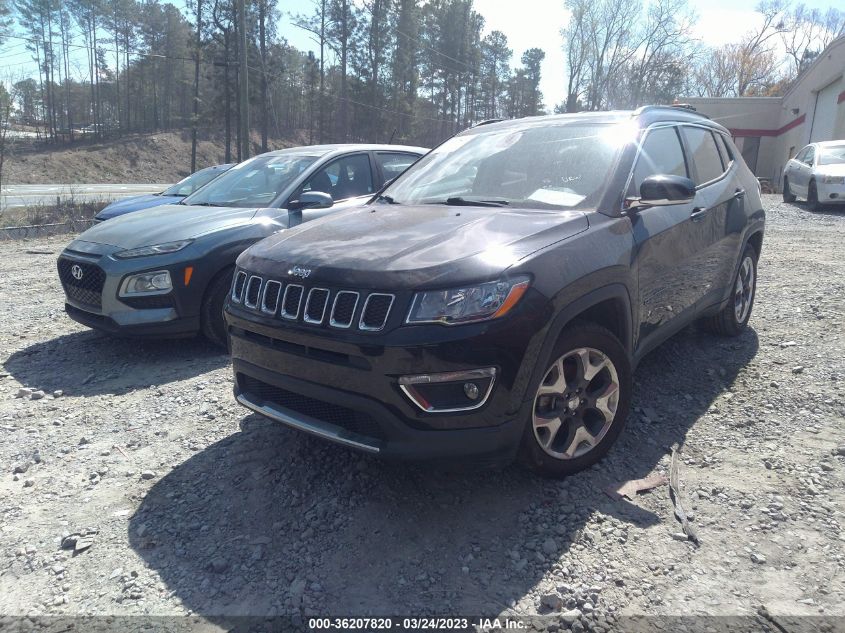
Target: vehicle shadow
(90, 363)
(269, 521)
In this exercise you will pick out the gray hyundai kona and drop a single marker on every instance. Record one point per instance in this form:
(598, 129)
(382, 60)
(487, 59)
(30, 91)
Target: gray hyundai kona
(166, 271)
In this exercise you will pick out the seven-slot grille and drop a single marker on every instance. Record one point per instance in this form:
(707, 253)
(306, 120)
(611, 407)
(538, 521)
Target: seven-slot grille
(314, 306)
(86, 285)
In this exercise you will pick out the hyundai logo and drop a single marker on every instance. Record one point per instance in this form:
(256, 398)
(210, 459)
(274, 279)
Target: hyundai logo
(76, 271)
(296, 271)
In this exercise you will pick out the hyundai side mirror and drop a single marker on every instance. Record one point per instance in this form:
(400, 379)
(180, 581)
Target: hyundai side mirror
(311, 200)
(663, 190)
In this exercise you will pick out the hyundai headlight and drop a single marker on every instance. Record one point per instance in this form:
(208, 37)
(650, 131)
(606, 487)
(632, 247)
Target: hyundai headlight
(154, 283)
(468, 304)
(155, 249)
(833, 180)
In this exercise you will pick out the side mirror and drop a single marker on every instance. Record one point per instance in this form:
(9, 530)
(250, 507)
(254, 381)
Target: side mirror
(662, 191)
(311, 200)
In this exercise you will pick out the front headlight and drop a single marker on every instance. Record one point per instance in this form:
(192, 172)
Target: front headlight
(833, 180)
(156, 249)
(154, 283)
(468, 304)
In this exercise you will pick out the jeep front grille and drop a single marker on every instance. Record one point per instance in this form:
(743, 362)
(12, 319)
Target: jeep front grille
(313, 306)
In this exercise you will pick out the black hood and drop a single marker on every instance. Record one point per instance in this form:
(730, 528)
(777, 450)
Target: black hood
(395, 247)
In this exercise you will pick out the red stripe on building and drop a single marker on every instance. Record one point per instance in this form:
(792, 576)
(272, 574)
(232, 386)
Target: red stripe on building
(735, 132)
(841, 97)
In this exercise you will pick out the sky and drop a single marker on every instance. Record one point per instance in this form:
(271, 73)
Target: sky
(527, 23)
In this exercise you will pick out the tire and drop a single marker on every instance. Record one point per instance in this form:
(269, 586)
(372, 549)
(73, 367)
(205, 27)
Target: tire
(813, 197)
(788, 196)
(590, 413)
(211, 314)
(733, 318)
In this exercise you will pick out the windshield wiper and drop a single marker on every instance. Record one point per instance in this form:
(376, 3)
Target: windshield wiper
(386, 198)
(204, 204)
(457, 201)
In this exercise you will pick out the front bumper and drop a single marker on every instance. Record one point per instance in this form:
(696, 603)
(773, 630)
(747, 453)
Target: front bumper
(345, 388)
(94, 299)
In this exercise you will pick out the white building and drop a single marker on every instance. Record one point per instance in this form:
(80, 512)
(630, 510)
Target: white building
(771, 130)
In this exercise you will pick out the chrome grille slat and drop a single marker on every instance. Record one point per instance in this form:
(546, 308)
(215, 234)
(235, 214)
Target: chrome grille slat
(297, 291)
(238, 286)
(254, 282)
(371, 318)
(272, 291)
(343, 323)
(317, 295)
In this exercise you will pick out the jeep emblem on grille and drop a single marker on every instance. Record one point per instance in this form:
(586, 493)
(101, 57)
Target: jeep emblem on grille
(296, 271)
(76, 271)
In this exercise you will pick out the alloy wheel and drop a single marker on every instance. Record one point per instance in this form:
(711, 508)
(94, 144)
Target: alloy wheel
(576, 403)
(744, 290)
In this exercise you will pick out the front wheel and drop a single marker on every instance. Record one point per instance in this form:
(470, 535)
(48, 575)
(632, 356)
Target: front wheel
(580, 405)
(213, 325)
(813, 197)
(733, 318)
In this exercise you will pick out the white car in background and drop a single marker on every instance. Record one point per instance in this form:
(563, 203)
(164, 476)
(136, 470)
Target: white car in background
(817, 173)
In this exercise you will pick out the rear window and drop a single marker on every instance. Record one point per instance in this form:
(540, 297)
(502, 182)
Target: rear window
(392, 164)
(704, 153)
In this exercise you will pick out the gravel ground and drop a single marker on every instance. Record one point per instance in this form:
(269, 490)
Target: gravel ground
(178, 501)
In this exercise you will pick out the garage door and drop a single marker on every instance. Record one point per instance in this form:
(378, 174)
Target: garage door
(824, 117)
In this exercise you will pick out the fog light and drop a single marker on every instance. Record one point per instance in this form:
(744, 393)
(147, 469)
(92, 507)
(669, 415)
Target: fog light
(450, 391)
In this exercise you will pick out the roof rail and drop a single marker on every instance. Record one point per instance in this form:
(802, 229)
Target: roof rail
(686, 107)
(487, 122)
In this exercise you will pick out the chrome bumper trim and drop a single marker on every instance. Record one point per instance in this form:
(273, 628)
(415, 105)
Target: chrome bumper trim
(306, 424)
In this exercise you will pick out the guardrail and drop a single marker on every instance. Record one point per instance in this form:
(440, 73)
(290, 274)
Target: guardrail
(45, 230)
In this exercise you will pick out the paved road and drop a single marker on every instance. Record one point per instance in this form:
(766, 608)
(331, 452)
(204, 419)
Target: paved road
(26, 195)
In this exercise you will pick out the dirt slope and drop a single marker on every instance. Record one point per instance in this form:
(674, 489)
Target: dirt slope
(160, 157)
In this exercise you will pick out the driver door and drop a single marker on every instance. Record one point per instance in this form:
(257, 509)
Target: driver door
(664, 240)
(348, 180)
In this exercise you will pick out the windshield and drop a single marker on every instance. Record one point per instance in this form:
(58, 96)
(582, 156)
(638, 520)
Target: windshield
(189, 185)
(832, 155)
(253, 183)
(543, 167)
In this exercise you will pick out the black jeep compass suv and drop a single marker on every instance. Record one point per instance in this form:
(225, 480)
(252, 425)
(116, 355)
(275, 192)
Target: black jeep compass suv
(492, 301)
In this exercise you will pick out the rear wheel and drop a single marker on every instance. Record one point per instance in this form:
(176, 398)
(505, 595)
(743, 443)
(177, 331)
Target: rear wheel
(733, 318)
(213, 325)
(580, 405)
(813, 197)
(788, 196)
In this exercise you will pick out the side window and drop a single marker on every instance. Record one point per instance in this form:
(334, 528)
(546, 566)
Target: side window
(810, 157)
(661, 153)
(727, 153)
(802, 155)
(392, 164)
(704, 153)
(343, 178)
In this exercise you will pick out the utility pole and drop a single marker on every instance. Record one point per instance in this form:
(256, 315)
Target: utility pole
(243, 84)
(194, 121)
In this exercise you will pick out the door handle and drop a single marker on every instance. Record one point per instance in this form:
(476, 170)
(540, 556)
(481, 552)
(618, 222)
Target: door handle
(739, 193)
(698, 213)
